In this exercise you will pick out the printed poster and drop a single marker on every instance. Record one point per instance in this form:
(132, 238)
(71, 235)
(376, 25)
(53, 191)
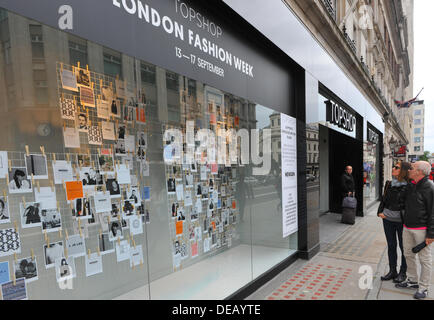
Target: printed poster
(289, 174)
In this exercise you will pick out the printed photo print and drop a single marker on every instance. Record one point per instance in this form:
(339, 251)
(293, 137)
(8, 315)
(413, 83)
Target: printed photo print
(37, 166)
(30, 214)
(52, 252)
(5, 216)
(26, 268)
(18, 181)
(51, 220)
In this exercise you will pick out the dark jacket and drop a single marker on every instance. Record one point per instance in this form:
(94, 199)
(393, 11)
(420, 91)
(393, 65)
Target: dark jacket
(419, 206)
(393, 198)
(347, 183)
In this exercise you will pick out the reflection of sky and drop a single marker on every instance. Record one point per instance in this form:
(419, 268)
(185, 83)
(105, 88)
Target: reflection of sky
(263, 116)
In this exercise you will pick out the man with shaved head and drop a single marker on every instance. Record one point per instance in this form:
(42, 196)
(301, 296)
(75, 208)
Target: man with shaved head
(418, 228)
(347, 182)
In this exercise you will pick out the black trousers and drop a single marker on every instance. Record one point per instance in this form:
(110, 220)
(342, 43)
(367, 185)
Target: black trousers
(392, 231)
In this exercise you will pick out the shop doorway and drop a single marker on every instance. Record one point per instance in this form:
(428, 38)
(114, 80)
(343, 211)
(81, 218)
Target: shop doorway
(336, 152)
(344, 151)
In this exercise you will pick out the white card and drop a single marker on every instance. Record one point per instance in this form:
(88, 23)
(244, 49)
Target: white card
(4, 164)
(102, 202)
(108, 130)
(46, 197)
(62, 171)
(71, 138)
(76, 246)
(123, 173)
(122, 250)
(93, 264)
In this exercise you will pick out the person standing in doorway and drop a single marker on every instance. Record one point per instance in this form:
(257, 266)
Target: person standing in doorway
(347, 182)
(418, 228)
(390, 211)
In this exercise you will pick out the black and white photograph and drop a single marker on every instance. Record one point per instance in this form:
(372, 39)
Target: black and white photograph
(115, 109)
(76, 246)
(194, 214)
(141, 153)
(30, 214)
(51, 220)
(26, 268)
(107, 93)
(174, 209)
(82, 208)
(9, 242)
(82, 122)
(65, 268)
(105, 244)
(198, 189)
(91, 177)
(128, 208)
(84, 160)
(171, 186)
(193, 167)
(36, 165)
(128, 113)
(83, 77)
(4, 164)
(116, 209)
(133, 195)
(113, 187)
(189, 181)
(105, 163)
(115, 230)
(120, 148)
(180, 214)
(142, 139)
(5, 216)
(121, 131)
(52, 252)
(211, 207)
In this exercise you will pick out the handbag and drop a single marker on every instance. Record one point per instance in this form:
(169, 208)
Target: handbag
(349, 202)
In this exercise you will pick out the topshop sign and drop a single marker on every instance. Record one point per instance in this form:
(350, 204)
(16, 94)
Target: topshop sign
(340, 116)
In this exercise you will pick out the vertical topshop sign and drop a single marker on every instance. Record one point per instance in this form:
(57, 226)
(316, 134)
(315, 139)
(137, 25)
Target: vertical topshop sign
(288, 129)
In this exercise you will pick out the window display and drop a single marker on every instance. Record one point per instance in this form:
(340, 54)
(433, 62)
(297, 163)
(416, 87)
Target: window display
(111, 186)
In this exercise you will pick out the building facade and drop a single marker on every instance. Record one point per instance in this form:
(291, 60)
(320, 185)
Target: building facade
(111, 111)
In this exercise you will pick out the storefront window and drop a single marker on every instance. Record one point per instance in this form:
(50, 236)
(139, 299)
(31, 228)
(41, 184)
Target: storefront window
(108, 209)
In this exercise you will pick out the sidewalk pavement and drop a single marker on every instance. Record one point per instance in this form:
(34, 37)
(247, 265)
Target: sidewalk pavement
(349, 257)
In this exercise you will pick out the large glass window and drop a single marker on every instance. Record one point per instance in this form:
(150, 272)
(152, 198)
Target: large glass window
(106, 207)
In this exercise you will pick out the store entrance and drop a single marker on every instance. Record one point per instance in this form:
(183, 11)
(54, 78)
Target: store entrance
(343, 151)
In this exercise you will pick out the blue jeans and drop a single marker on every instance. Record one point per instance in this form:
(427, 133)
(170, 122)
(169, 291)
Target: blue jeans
(392, 230)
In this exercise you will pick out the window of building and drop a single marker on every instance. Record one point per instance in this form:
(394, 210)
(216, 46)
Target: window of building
(36, 39)
(417, 140)
(417, 149)
(147, 73)
(77, 51)
(417, 112)
(112, 63)
(417, 130)
(172, 81)
(417, 121)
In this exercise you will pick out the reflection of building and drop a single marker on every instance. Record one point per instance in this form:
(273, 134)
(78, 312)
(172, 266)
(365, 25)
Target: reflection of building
(274, 126)
(312, 145)
(416, 147)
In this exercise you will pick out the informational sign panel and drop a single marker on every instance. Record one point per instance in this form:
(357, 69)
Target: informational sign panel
(289, 174)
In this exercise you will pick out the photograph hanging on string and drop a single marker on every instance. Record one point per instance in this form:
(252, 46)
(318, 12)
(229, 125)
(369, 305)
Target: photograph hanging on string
(36, 165)
(26, 268)
(51, 220)
(5, 216)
